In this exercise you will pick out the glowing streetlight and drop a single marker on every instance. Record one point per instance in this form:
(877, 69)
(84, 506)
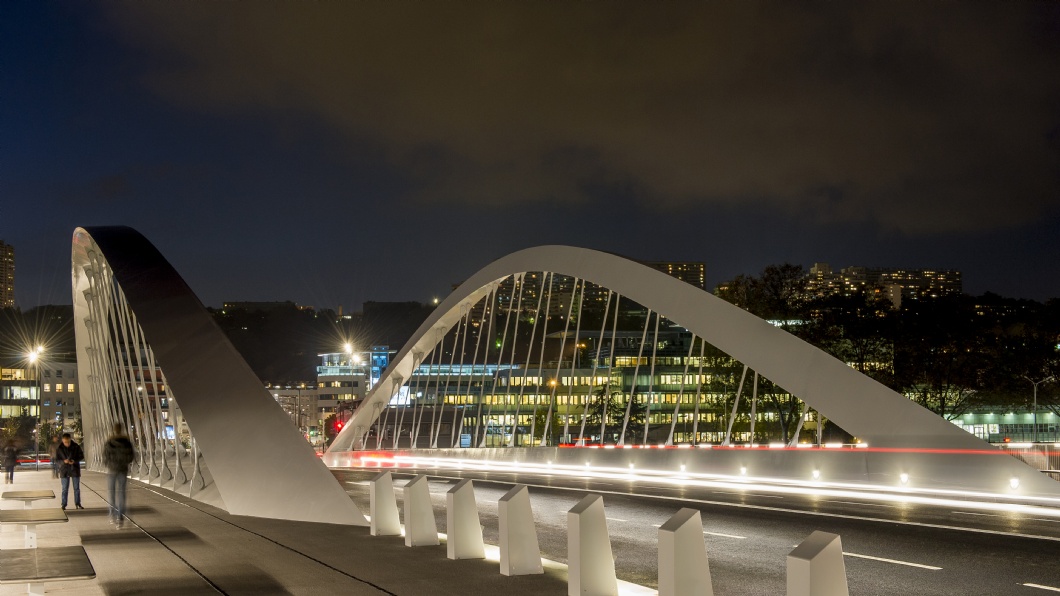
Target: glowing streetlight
(34, 357)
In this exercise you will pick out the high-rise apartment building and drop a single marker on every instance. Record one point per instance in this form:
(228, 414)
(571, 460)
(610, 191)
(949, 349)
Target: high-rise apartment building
(7, 275)
(895, 284)
(693, 272)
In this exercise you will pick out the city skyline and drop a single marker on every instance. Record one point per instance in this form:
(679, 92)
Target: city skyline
(341, 154)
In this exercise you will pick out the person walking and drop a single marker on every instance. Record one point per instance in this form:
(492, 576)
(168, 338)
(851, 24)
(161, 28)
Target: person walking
(51, 455)
(70, 454)
(118, 454)
(10, 460)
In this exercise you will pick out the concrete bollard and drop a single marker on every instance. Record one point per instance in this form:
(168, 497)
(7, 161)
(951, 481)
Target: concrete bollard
(383, 506)
(520, 554)
(462, 525)
(683, 566)
(591, 567)
(816, 568)
(420, 527)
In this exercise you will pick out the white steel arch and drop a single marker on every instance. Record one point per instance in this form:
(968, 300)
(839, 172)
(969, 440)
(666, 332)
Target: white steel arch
(125, 292)
(857, 403)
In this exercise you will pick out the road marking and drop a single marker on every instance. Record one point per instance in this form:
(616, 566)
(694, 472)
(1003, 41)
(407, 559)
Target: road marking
(1055, 521)
(895, 561)
(859, 504)
(1041, 587)
(616, 519)
(974, 513)
(722, 492)
(725, 535)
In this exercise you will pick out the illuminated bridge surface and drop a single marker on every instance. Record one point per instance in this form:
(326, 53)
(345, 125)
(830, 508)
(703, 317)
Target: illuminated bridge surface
(891, 547)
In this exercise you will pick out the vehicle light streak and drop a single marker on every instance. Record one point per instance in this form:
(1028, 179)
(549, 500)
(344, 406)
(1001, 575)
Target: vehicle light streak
(984, 501)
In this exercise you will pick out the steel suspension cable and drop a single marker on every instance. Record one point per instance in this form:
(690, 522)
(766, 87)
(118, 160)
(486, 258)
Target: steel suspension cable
(636, 374)
(732, 417)
(606, 395)
(559, 363)
(596, 365)
(651, 379)
(529, 355)
(681, 392)
(541, 353)
(573, 361)
(500, 356)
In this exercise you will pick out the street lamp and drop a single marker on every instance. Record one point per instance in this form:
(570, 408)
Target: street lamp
(1035, 412)
(34, 357)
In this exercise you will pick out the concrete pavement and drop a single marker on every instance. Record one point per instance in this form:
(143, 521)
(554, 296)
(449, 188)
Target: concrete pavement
(174, 545)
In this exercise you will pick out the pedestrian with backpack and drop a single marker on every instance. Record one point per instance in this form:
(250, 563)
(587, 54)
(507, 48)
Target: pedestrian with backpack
(118, 454)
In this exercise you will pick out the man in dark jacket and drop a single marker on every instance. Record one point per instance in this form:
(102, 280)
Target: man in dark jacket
(10, 460)
(70, 454)
(118, 454)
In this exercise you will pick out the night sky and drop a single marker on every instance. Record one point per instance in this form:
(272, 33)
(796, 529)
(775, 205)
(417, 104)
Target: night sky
(331, 153)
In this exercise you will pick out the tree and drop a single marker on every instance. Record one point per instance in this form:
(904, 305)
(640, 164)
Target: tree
(939, 357)
(606, 407)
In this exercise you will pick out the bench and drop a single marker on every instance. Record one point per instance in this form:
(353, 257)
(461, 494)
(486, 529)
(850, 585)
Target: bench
(28, 496)
(34, 566)
(30, 518)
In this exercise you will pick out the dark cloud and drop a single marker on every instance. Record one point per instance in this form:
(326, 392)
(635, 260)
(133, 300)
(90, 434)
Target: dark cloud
(919, 117)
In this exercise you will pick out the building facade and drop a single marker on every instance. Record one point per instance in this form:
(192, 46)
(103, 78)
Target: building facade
(60, 395)
(7, 275)
(895, 284)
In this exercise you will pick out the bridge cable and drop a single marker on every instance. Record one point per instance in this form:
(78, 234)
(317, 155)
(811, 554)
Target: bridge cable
(526, 367)
(651, 378)
(636, 374)
(681, 392)
(605, 396)
(541, 354)
(500, 356)
(699, 388)
(573, 361)
(736, 404)
(596, 365)
(554, 383)
(488, 312)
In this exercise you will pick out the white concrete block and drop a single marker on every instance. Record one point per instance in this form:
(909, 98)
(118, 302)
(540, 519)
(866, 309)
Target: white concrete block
(816, 567)
(683, 566)
(590, 564)
(383, 505)
(520, 554)
(420, 527)
(462, 527)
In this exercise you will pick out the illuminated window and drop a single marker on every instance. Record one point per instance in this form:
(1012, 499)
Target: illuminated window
(58, 387)
(70, 387)
(47, 386)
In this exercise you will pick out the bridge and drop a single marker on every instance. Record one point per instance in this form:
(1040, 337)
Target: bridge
(560, 365)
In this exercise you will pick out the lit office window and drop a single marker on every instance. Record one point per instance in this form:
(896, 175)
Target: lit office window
(70, 387)
(47, 387)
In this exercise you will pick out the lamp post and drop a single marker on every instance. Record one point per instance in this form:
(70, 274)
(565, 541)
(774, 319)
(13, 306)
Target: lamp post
(34, 358)
(1035, 411)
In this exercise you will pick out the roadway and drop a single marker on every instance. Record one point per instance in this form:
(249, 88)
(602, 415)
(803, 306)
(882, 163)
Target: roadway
(891, 547)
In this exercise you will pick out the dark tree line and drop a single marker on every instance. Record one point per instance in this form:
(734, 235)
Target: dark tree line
(949, 354)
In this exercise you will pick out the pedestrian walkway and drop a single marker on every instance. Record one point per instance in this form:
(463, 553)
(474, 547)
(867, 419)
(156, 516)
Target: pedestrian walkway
(175, 545)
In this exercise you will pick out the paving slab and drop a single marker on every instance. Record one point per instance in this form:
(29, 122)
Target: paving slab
(174, 545)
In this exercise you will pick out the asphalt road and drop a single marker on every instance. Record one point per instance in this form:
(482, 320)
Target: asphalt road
(891, 548)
